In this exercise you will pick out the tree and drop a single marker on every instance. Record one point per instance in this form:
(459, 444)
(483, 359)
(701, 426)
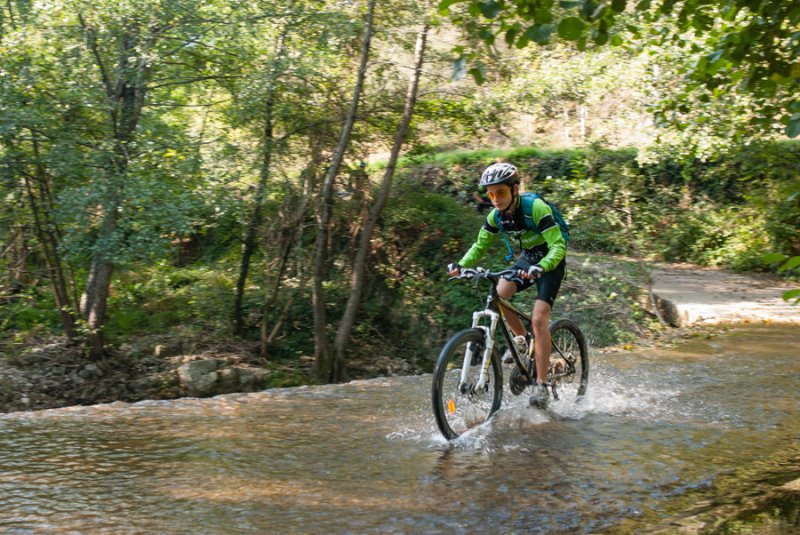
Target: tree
(371, 219)
(23, 159)
(739, 45)
(325, 367)
(266, 168)
(110, 167)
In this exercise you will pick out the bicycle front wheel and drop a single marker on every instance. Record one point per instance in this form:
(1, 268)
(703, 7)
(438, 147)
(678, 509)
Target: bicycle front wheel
(569, 359)
(458, 406)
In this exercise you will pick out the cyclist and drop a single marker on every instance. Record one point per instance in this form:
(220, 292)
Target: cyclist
(542, 260)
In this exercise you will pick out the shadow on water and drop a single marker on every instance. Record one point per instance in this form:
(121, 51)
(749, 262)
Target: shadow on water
(659, 434)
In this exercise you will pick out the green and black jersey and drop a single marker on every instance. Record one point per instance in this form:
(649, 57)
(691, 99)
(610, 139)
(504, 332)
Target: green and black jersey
(543, 245)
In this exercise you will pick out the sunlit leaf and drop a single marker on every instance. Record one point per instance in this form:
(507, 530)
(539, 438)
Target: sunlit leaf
(772, 258)
(542, 16)
(478, 74)
(540, 33)
(571, 28)
(792, 294)
(793, 128)
(444, 5)
(790, 264)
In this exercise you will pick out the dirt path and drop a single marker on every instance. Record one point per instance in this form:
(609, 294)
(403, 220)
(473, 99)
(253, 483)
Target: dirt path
(691, 295)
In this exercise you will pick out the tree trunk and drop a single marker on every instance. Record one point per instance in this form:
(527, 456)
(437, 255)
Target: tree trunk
(255, 219)
(93, 304)
(359, 266)
(322, 361)
(40, 200)
(126, 94)
(17, 253)
(292, 234)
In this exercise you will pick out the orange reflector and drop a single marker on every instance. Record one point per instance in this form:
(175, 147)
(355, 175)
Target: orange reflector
(451, 406)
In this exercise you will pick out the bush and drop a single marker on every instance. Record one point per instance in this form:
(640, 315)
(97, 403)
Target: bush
(726, 212)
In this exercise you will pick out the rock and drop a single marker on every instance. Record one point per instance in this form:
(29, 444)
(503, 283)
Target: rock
(791, 486)
(204, 386)
(155, 381)
(89, 371)
(198, 378)
(228, 381)
(252, 379)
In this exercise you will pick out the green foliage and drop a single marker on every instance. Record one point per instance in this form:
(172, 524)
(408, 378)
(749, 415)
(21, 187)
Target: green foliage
(32, 311)
(163, 297)
(785, 264)
(666, 209)
(607, 300)
(724, 52)
(410, 306)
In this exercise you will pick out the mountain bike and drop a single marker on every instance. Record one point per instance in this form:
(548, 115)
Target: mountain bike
(467, 387)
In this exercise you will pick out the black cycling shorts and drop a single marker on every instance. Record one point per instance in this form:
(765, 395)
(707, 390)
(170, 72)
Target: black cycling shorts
(547, 285)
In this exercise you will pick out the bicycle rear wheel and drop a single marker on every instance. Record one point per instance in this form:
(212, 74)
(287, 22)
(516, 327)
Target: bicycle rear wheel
(458, 408)
(569, 360)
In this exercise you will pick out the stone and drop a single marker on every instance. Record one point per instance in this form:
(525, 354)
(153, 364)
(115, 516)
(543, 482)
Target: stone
(89, 371)
(204, 386)
(228, 381)
(252, 379)
(198, 378)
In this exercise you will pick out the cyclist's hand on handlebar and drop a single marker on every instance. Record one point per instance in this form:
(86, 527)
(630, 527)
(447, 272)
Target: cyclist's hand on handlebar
(532, 273)
(453, 269)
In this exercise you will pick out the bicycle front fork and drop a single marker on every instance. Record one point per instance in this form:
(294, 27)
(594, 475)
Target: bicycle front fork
(489, 331)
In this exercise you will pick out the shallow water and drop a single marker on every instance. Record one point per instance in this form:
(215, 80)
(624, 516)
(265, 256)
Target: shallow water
(364, 457)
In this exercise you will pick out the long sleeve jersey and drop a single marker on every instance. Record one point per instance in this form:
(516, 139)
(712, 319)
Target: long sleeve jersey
(542, 241)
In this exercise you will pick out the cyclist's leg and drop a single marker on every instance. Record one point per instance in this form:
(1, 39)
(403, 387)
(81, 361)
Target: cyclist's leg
(547, 287)
(541, 334)
(506, 289)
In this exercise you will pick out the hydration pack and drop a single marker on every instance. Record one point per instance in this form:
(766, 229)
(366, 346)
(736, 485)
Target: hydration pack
(527, 210)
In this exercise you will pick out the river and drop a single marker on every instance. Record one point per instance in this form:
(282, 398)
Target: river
(659, 431)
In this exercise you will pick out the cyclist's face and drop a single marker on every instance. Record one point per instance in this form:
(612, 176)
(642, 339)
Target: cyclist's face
(501, 196)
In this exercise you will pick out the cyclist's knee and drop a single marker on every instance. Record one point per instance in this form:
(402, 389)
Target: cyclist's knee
(541, 317)
(539, 325)
(506, 289)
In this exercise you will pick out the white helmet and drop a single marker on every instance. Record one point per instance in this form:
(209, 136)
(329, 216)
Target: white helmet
(499, 173)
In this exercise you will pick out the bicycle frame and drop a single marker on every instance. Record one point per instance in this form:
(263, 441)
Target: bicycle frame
(466, 392)
(494, 312)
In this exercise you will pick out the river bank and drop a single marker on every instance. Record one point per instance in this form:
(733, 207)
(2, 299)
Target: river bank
(47, 373)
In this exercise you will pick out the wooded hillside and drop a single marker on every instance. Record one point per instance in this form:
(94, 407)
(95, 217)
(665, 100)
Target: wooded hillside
(234, 171)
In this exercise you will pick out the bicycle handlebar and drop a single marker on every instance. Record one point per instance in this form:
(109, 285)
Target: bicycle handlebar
(481, 273)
